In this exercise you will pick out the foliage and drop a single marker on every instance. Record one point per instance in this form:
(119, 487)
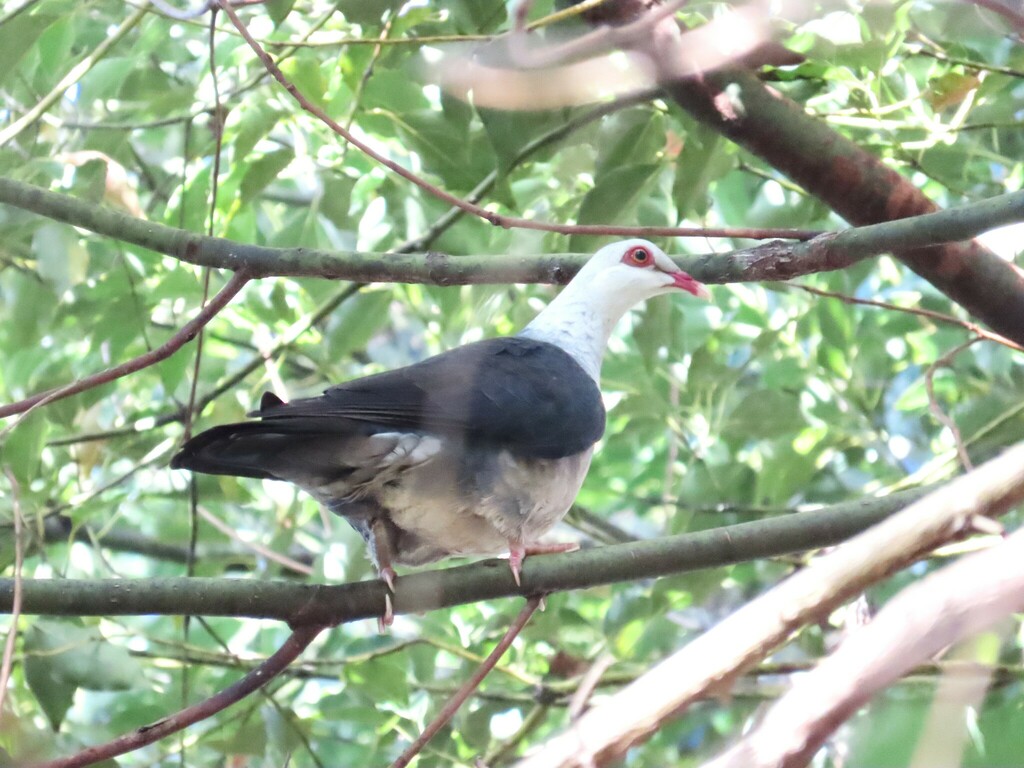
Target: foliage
(768, 399)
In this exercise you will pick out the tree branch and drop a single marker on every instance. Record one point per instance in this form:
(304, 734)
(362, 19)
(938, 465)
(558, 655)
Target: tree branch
(507, 222)
(470, 685)
(165, 350)
(856, 185)
(428, 590)
(147, 734)
(76, 73)
(745, 637)
(959, 601)
(770, 261)
(58, 528)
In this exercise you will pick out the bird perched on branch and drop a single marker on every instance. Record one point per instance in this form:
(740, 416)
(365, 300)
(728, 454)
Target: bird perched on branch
(478, 450)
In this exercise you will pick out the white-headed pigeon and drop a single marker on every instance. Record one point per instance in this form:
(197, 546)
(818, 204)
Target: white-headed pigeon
(478, 450)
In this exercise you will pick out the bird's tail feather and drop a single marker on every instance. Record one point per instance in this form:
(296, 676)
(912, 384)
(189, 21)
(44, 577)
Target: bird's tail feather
(288, 449)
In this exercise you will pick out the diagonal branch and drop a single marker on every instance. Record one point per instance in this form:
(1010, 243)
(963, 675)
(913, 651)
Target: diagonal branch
(507, 222)
(745, 637)
(255, 679)
(165, 350)
(466, 689)
(959, 601)
(856, 185)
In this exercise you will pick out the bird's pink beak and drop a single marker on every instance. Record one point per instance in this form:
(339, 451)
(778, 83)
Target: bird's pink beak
(687, 283)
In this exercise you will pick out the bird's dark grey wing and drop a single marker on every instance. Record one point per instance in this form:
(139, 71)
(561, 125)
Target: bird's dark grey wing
(529, 397)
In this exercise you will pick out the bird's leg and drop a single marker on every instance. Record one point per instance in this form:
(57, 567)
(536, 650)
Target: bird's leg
(517, 552)
(382, 547)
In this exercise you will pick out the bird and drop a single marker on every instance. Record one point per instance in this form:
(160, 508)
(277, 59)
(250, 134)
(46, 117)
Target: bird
(478, 450)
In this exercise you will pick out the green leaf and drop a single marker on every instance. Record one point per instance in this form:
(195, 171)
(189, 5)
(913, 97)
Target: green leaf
(55, 45)
(81, 656)
(172, 371)
(278, 10)
(281, 734)
(90, 181)
(253, 126)
(248, 739)
(17, 36)
(486, 15)
(613, 199)
(55, 696)
(834, 318)
(27, 308)
(764, 414)
(337, 199)
(367, 11)
(629, 138)
(654, 332)
(23, 448)
(510, 132)
(61, 259)
(356, 321)
(62, 657)
(262, 172)
(382, 679)
(106, 79)
(704, 158)
(305, 74)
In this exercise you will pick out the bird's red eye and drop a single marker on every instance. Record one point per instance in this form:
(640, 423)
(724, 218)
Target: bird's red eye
(638, 257)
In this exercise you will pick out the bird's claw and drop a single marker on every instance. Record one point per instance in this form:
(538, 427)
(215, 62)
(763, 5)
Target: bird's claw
(518, 551)
(387, 574)
(385, 621)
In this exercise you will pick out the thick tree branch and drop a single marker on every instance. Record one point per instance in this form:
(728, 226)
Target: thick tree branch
(947, 607)
(715, 658)
(427, 590)
(856, 185)
(770, 261)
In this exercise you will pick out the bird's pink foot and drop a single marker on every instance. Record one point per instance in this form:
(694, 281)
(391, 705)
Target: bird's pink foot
(517, 552)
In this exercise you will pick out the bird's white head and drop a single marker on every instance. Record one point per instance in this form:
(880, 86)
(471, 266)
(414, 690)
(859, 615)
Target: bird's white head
(637, 268)
(580, 319)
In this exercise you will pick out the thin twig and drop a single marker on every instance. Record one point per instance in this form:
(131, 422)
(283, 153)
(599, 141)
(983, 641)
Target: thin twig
(470, 685)
(273, 666)
(19, 559)
(277, 557)
(76, 73)
(930, 314)
(936, 409)
(165, 350)
(506, 222)
(588, 684)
